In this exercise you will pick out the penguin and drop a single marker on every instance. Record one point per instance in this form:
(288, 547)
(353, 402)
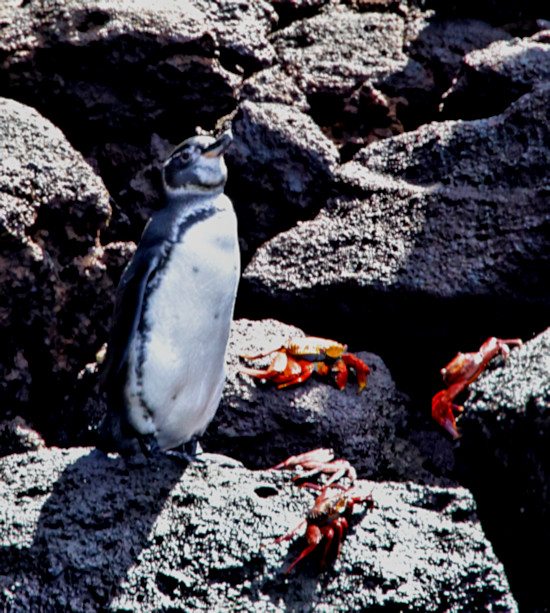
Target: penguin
(164, 368)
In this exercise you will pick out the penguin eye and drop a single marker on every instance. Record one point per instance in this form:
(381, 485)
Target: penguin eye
(185, 155)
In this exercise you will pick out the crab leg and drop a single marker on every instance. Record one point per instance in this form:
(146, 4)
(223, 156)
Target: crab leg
(361, 369)
(313, 537)
(443, 409)
(316, 462)
(307, 369)
(307, 459)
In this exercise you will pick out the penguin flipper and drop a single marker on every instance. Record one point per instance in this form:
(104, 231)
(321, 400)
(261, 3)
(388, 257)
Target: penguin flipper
(115, 432)
(127, 312)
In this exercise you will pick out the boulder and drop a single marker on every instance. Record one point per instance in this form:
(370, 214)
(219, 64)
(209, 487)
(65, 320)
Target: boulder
(491, 78)
(441, 45)
(261, 425)
(506, 425)
(358, 91)
(56, 293)
(81, 531)
(283, 163)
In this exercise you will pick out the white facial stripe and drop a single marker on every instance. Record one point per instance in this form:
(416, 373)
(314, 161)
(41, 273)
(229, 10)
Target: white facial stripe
(191, 188)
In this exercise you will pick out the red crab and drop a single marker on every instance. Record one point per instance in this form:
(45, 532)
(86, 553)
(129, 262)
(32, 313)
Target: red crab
(300, 357)
(327, 519)
(462, 370)
(319, 461)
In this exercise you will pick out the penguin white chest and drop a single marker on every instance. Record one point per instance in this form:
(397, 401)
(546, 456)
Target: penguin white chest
(177, 359)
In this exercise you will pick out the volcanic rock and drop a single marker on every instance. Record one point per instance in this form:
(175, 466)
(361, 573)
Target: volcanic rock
(81, 531)
(261, 425)
(55, 291)
(506, 425)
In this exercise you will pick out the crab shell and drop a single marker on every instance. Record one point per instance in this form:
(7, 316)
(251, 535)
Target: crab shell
(314, 348)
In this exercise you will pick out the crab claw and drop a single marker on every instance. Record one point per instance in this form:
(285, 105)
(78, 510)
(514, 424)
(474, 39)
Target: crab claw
(443, 411)
(277, 367)
(361, 369)
(339, 371)
(304, 370)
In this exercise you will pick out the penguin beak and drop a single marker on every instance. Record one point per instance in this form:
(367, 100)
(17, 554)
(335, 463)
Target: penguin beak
(218, 147)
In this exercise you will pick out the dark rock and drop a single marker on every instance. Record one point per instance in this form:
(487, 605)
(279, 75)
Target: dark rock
(293, 10)
(441, 44)
(506, 426)
(442, 214)
(17, 437)
(273, 84)
(281, 169)
(53, 305)
(312, 49)
(491, 79)
(356, 90)
(127, 71)
(261, 425)
(447, 220)
(92, 532)
(516, 15)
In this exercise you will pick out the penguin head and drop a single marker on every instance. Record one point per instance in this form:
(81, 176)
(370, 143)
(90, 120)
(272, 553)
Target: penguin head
(196, 166)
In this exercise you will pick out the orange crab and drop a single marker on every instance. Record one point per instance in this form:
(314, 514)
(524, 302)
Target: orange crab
(462, 370)
(300, 357)
(327, 519)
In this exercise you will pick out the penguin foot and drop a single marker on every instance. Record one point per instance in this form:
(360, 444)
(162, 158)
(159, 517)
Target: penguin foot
(185, 453)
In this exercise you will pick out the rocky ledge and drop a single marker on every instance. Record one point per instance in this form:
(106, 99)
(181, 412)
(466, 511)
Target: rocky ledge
(98, 533)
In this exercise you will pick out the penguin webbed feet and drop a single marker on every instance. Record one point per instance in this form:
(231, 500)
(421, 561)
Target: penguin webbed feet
(184, 454)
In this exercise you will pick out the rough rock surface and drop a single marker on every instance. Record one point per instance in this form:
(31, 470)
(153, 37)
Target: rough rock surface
(283, 178)
(413, 224)
(452, 218)
(52, 206)
(81, 531)
(124, 66)
(492, 77)
(506, 427)
(262, 426)
(311, 49)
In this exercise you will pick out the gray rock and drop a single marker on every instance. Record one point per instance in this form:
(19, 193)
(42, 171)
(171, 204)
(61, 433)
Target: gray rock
(52, 206)
(262, 425)
(312, 49)
(506, 425)
(424, 218)
(430, 225)
(358, 91)
(91, 532)
(283, 162)
(493, 77)
(237, 27)
(273, 84)
(517, 390)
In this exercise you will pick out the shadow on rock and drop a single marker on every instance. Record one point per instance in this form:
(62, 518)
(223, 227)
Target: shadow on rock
(92, 526)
